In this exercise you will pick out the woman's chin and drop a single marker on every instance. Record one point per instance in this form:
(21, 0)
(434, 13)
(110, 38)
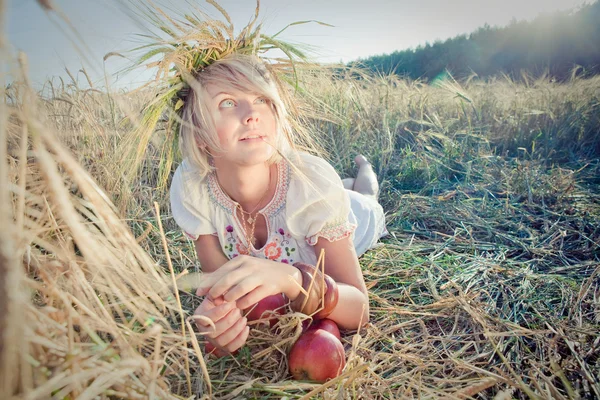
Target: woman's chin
(246, 159)
(258, 157)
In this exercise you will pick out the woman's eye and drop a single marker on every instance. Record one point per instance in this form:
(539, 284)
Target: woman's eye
(262, 100)
(227, 103)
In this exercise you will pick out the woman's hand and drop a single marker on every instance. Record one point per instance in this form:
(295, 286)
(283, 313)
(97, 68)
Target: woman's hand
(230, 330)
(247, 280)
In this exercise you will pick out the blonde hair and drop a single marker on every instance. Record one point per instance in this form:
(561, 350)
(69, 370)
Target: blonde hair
(240, 72)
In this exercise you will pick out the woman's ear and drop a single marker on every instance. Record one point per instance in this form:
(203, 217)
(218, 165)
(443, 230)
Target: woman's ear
(203, 147)
(200, 143)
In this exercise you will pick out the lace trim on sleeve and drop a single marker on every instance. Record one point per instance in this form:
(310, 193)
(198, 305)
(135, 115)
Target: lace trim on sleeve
(195, 237)
(190, 236)
(333, 231)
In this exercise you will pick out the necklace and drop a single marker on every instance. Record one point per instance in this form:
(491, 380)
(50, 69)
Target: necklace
(249, 235)
(252, 220)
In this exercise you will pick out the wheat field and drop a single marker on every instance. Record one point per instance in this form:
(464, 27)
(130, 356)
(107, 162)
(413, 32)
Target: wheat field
(488, 286)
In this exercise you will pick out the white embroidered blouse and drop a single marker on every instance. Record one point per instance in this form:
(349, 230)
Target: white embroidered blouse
(301, 211)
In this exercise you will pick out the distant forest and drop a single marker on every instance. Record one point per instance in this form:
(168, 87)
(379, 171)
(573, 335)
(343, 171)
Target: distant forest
(557, 44)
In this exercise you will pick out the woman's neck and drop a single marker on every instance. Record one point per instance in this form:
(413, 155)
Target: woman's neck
(247, 185)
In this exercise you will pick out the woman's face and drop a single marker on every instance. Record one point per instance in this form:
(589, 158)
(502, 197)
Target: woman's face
(245, 122)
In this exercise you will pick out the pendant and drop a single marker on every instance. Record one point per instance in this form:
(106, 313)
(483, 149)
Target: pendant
(251, 220)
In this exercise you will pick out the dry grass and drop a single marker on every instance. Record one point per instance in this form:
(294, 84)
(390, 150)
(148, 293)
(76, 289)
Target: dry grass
(488, 286)
(90, 313)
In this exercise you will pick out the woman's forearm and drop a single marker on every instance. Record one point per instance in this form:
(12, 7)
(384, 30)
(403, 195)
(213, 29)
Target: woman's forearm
(352, 308)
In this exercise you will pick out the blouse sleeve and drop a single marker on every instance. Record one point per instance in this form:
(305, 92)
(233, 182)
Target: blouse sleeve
(317, 204)
(190, 203)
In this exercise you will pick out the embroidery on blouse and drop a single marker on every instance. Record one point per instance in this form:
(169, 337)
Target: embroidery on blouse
(280, 248)
(218, 197)
(283, 181)
(233, 244)
(272, 251)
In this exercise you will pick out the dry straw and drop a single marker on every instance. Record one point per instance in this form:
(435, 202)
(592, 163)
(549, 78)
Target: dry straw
(488, 287)
(86, 312)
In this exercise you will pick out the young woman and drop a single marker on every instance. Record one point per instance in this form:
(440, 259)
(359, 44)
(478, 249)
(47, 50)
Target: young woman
(255, 205)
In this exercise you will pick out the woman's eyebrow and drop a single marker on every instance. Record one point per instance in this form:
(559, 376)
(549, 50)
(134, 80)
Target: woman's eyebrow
(221, 93)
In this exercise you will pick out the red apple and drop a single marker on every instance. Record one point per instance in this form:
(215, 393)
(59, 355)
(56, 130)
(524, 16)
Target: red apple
(330, 298)
(327, 325)
(306, 324)
(317, 356)
(274, 303)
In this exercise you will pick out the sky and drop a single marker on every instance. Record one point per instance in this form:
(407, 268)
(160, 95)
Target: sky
(361, 28)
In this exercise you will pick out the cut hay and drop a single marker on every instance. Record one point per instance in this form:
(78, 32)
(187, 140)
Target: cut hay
(89, 312)
(488, 286)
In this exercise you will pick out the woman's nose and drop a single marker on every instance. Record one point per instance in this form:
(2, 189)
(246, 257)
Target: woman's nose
(251, 115)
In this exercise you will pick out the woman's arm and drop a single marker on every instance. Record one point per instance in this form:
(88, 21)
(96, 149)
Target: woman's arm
(269, 276)
(341, 263)
(209, 253)
(247, 280)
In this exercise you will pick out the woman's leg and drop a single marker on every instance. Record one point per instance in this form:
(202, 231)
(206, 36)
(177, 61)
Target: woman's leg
(366, 180)
(348, 183)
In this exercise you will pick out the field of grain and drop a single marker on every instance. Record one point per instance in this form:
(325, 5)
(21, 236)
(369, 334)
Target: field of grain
(487, 287)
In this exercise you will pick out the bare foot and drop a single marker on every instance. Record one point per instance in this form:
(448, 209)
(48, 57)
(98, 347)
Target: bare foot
(360, 160)
(366, 180)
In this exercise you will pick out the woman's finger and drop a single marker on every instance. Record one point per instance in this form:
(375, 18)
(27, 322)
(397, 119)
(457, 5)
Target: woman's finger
(239, 340)
(219, 312)
(204, 285)
(203, 322)
(224, 323)
(240, 288)
(217, 301)
(230, 334)
(213, 314)
(252, 297)
(241, 276)
(207, 280)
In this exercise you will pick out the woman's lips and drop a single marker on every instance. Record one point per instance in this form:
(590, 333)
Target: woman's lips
(249, 139)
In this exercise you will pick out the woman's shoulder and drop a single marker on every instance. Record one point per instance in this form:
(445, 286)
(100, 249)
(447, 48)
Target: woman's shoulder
(317, 202)
(189, 201)
(187, 181)
(313, 175)
(311, 159)
(315, 166)
(186, 169)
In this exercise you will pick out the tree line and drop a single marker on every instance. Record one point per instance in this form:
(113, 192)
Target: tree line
(559, 44)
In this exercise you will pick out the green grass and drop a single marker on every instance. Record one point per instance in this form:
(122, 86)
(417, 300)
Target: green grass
(491, 269)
